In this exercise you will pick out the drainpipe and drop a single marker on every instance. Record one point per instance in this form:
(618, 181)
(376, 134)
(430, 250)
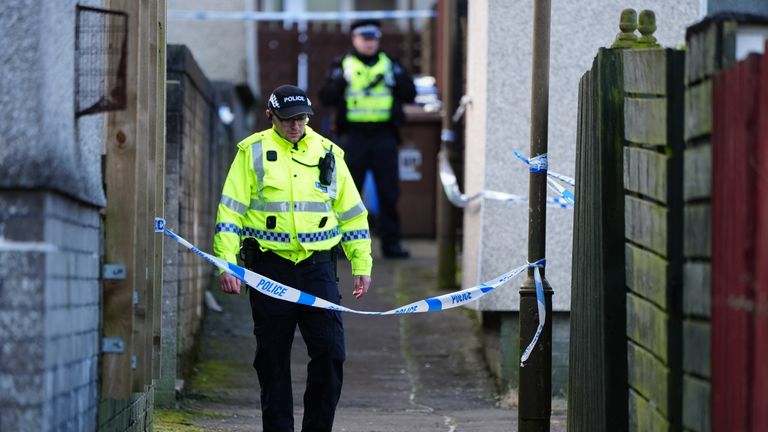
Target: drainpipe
(447, 216)
(535, 392)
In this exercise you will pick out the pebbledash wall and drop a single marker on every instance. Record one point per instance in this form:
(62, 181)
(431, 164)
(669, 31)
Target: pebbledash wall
(51, 195)
(498, 122)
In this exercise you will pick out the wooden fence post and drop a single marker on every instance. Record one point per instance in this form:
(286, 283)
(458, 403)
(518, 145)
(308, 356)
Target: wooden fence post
(597, 391)
(144, 172)
(160, 131)
(119, 220)
(134, 168)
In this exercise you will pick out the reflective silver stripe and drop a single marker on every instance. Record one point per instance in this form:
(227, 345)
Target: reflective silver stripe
(274, 207)
(357, 210)
(233, 204)
(371, 93)
(312, 206)
(361, 110)
(258, 167)
(285, 206)
(332, 187)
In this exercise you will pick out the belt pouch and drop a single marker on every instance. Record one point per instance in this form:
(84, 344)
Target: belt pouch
(250, 253)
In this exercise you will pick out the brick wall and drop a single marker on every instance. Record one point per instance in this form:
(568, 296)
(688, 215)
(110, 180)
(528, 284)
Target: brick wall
(49, 312)
(192, 188)
(196, 219)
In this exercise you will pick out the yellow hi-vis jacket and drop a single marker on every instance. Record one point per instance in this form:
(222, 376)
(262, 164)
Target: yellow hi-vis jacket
(369, 93)
(273, 193)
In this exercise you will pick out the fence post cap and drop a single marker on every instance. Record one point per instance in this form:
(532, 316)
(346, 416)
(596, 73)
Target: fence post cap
(647, 27)
(628, 24)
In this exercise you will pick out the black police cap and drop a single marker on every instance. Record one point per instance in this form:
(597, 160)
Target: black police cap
(289, 101)
(367, 28)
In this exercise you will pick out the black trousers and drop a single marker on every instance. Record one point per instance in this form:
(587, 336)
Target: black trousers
(376, 149)
(274, 324)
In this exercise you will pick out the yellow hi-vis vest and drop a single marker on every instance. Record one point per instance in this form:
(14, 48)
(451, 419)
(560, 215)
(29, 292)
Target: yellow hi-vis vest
(273, 193)
(368, 103)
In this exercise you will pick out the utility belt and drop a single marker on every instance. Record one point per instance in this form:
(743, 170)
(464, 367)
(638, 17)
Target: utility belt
(252, 255)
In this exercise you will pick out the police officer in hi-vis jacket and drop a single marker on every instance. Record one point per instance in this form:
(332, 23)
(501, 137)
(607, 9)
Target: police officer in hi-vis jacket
(368, 89)
(287, 202)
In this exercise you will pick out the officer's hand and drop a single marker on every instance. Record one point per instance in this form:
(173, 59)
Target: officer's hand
(362, 283)
(229, 284)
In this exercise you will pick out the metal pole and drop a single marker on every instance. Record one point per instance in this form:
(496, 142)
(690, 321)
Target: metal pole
(446, 214)
(535, 392)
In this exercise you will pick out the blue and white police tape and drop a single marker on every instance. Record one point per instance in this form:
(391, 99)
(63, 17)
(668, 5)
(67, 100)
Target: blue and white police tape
(298, 16)
(277, 290)
(452, 191)
(540, 164)
(540, 303)
(561, 190)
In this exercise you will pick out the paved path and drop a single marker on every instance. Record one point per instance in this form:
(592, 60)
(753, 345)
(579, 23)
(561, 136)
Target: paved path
(420, 372)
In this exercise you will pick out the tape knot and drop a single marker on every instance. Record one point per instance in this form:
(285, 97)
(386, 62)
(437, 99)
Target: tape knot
(538, 163)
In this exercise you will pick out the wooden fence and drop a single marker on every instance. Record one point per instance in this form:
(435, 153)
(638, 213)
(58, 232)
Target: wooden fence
(627, 255)
(667, 181)
(713, 387)
(597, 391)
(759, 393)
(740, 247)
(134, 184)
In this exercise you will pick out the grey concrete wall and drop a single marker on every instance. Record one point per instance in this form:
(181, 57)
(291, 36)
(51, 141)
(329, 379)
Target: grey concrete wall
(498, 122)
(49, 312)
(501, 349)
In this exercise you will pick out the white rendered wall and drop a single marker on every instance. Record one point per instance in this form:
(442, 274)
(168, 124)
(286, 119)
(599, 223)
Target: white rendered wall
(219, 46)
(498, 123)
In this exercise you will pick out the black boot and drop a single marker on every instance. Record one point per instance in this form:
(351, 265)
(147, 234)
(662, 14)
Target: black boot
(395, 251)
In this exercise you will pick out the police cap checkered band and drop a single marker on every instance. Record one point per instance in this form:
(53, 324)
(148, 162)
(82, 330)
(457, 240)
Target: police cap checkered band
(289, 101)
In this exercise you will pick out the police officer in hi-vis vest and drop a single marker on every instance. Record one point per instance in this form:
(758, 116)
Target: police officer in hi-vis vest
(288, 201)
(368, 89)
